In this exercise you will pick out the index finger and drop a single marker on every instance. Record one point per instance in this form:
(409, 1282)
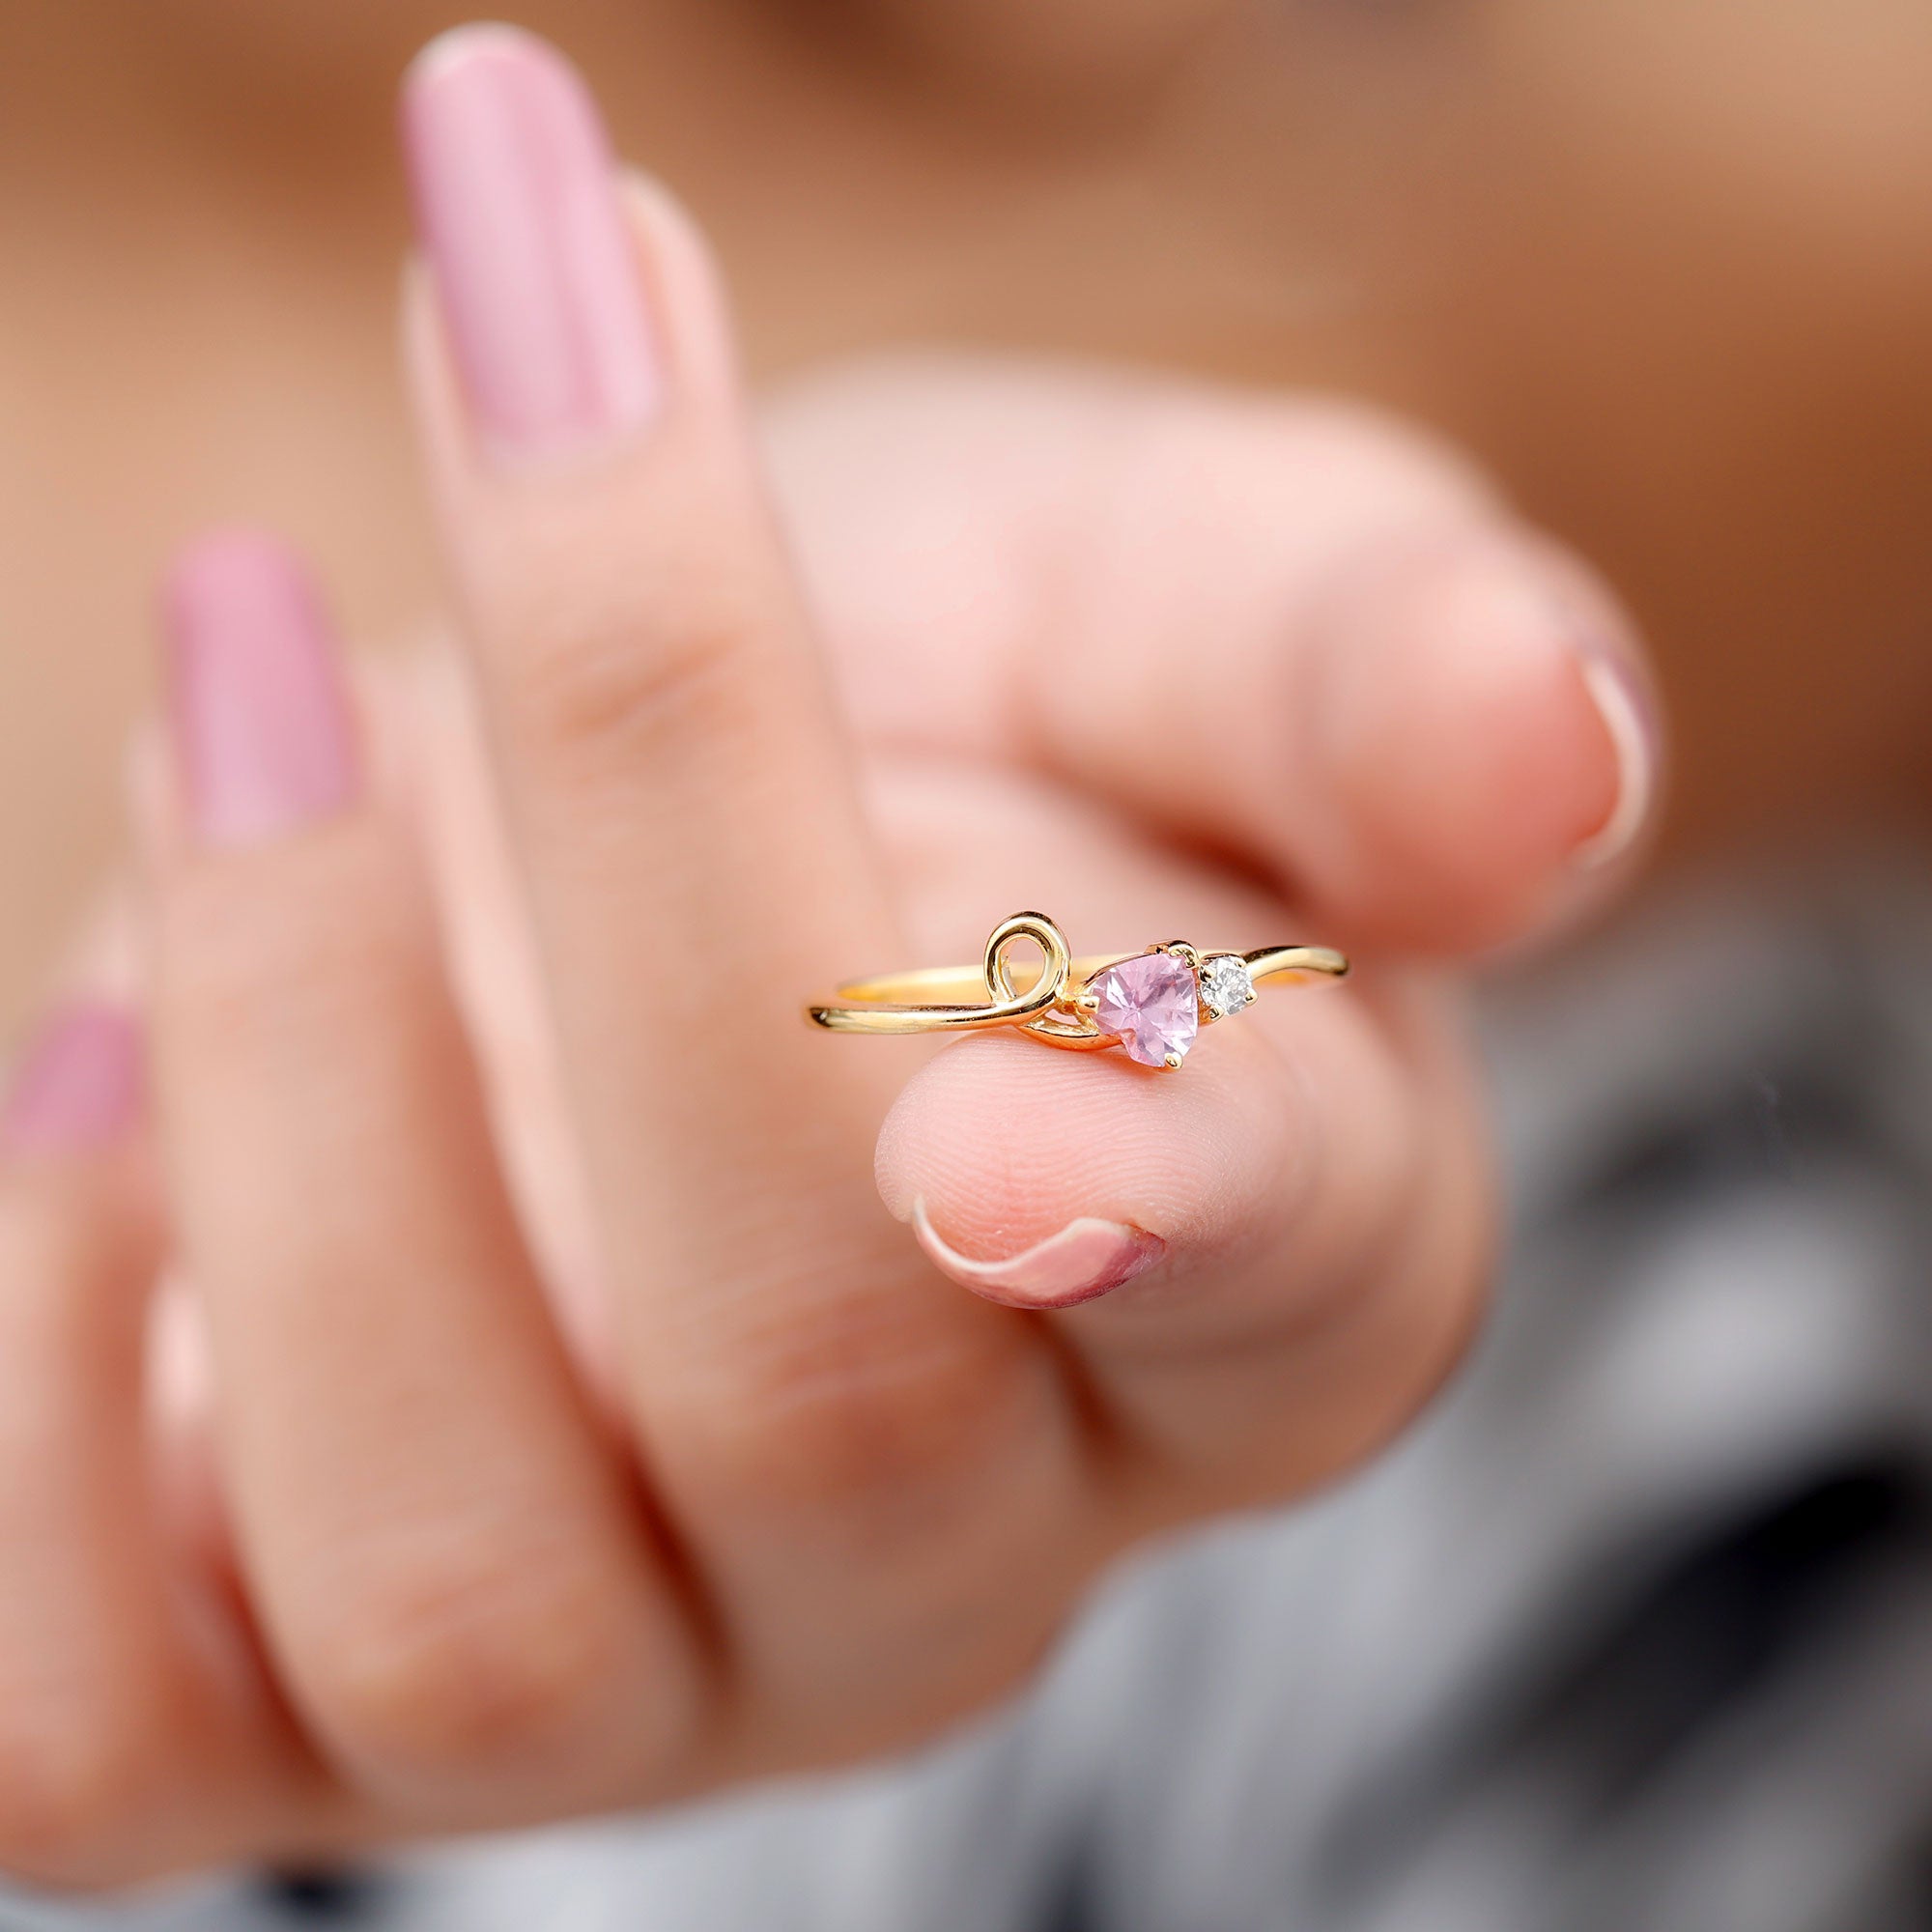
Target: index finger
(1288, 631)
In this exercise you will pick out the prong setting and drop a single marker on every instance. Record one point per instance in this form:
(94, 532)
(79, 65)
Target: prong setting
(1226, 986)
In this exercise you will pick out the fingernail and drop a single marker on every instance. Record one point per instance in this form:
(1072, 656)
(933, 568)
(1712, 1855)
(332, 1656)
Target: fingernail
(259, 715)
(533, 260)
(1086, 1258)
(77, 1085)
(1631, 720)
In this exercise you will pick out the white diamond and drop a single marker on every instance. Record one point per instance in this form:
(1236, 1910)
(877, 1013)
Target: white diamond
(1226, 986)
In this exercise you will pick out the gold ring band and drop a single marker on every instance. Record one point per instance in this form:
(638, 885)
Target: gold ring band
(1150, 1004)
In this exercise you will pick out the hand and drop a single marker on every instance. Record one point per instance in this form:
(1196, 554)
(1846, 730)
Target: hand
(1157, 660)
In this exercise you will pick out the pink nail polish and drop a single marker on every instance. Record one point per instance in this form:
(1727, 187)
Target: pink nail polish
(1631, 720)
(77, 1085)
(1086, 1258)
(533, 260)
(259, 715)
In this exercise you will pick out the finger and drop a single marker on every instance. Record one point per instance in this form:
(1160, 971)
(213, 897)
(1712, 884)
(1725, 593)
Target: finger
(1263, 1265)
(111, 1736)
(686, 815)
(1288, 631)
(1260, 1264)
(445, 1557)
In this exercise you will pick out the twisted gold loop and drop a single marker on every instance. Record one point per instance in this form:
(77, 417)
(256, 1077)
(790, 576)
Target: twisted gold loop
(1098, 1000)
(882, 1004)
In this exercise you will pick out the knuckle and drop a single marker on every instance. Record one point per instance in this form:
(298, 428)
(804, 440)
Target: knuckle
(606, 677)
(613, 695)
(467, 1670)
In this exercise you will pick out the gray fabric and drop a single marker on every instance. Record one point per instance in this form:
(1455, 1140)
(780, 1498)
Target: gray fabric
(1635, 1630)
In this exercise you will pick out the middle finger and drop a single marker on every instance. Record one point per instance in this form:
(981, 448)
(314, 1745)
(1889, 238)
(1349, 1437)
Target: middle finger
(686, 811)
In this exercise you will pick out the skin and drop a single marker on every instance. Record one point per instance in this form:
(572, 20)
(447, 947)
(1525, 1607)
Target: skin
(1662, 268)
(759, 1497)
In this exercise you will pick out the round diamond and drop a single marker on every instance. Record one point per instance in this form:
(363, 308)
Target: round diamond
(1226, 984)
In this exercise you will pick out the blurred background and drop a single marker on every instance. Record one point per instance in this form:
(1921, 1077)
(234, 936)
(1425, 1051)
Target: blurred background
(1665, 264)
(1638, 1629)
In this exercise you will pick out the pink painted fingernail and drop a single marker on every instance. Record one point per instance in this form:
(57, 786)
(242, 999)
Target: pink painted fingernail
(1086, 1258)
(260, 717)
(1631, 719)
(533, 260)
(78, 1085)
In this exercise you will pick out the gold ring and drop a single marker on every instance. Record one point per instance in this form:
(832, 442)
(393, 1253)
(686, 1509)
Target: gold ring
(1152, 1005)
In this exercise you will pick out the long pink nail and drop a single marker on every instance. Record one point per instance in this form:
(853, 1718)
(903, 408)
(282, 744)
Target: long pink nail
(78, 1085)
(1087, 1258)
(261, 719)
(534, 265)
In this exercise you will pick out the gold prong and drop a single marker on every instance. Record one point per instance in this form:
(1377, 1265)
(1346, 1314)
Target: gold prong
(1173, 1063)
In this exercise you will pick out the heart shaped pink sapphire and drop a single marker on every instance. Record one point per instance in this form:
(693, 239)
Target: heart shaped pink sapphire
(1153, 1002)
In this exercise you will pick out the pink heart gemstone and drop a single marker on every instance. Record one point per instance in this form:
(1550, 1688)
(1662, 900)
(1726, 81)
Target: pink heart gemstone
(1151, 1001)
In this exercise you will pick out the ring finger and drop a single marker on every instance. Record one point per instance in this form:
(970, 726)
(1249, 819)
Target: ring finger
(445, 1558)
